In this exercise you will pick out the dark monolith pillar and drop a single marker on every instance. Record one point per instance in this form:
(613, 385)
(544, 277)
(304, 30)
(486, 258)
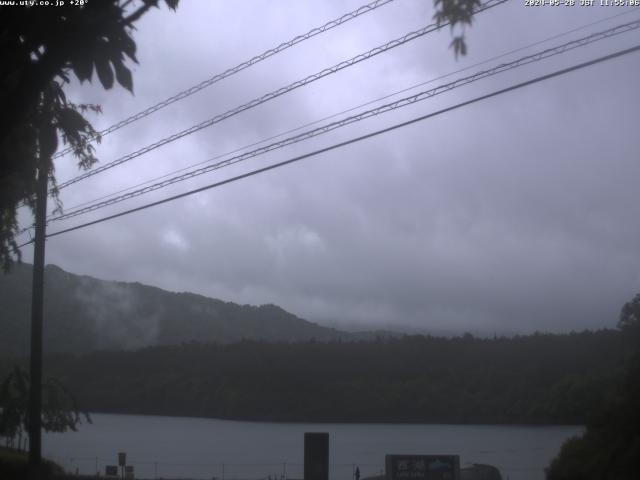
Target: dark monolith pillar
(316, 456)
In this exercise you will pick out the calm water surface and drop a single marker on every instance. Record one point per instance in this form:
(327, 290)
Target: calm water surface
(172, 447)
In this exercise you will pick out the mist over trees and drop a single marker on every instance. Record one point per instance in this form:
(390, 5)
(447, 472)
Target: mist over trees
(590, 377)
(262, 363)
(86, 314)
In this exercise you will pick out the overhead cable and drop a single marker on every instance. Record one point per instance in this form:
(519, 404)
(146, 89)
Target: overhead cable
(403, 102)
(517, 86)
(238, 68)
(342, 112)
(274, 94)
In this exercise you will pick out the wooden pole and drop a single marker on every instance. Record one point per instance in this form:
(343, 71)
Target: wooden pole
(37, 306)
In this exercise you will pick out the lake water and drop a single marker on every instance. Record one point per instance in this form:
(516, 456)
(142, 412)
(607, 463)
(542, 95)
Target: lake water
(173, 447)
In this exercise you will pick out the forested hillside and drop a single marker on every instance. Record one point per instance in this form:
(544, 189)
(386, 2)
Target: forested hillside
(532, 379)
(83, 314)
(131, 348)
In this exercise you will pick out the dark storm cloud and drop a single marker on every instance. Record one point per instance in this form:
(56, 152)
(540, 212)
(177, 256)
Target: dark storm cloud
(513, 215)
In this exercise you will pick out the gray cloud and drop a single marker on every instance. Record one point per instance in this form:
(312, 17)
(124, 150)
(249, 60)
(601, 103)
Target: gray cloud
(514, 215)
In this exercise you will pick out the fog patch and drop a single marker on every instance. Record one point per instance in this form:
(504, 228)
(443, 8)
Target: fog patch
(119, 317)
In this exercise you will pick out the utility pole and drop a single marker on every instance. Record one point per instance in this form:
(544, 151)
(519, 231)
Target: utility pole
(37, 307)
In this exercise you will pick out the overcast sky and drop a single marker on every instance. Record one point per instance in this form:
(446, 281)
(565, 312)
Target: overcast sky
(516, 214)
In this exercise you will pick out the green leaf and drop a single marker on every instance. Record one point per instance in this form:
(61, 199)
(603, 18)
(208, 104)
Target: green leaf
(459, 46)
(123, 74)
(70, 120)
(105, 74)
(83, 68)
(62, 98)
(128, 47)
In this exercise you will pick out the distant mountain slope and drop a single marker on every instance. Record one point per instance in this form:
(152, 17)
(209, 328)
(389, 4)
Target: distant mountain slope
(85, 314)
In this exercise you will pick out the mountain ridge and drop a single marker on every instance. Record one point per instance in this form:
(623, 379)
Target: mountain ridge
(84, 313)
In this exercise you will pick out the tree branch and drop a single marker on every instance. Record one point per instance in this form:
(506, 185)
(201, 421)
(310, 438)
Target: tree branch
(135, 16)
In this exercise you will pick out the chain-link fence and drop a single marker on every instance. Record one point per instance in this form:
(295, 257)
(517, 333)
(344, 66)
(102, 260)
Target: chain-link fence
(96, 466)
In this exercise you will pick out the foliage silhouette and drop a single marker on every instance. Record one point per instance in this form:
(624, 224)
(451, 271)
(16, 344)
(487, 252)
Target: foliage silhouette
(610, 447)
(13, 465)
(60, 410)
(40, 48)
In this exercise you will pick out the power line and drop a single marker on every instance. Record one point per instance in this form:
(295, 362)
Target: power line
(350, 109)
(274, 94)
(424, 95)
(535, 80)
(238, 68)
(73, 209)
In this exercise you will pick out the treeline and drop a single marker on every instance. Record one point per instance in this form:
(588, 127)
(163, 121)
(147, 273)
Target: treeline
(537, 379)
(609, 448)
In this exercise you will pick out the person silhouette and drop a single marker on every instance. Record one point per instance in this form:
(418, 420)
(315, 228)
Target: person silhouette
(357, 473)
